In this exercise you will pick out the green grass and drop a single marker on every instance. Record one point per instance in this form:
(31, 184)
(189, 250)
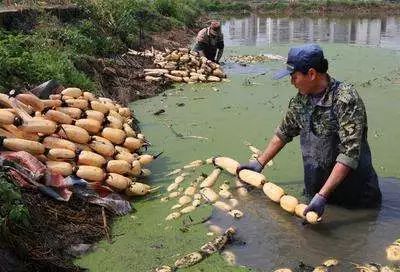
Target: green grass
(32, 59)
(11, 207)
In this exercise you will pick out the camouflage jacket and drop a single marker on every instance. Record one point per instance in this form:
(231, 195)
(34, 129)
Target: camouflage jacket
(205, 41)
(349, 123)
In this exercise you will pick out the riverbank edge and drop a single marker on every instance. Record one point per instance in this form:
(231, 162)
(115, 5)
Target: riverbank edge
(330, 9)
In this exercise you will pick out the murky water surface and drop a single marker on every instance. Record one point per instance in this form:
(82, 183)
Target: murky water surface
(203, 120)
(268, 238)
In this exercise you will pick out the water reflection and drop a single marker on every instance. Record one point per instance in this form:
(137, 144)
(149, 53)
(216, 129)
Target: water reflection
(259, 31)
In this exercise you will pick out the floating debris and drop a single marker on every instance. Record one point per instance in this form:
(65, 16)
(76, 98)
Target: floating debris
(174, 194)
(176, 206)
(189, 260)
(236, 214)
(209, 195)
(321, 268)
(233, 202)
(330, 262)
(217, 244)
(370, 267)
(254, 58)
(215, 229)
(179, 179)
(229, 257)
(196, 202)
(159, 112)
(164, 268)
(173, 215)
(283, 270)
(172, 187)
(225, 194)
(190, 191)
(211, 179)
(393, 252)
(174, 172)
(188, 209)
(181, 65)
(222, 206)
(184, 200)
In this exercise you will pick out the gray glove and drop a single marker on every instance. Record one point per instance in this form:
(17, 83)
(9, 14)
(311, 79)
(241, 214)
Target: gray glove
(317, 204)
(253, 165)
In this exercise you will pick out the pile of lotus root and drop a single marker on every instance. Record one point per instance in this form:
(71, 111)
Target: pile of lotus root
(181, 65)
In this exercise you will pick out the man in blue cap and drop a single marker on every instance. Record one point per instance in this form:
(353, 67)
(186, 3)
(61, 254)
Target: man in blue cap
(330, 118)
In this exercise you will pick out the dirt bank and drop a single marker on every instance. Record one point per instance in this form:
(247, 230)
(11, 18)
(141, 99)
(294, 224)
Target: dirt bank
(329, 9)
(58, 232)
(122, 78)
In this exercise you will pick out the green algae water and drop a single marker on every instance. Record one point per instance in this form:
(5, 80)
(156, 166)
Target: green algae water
(204, 120)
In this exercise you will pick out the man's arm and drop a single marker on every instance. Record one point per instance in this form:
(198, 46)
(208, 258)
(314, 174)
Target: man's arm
(201, 42)
(273, 148)
(219, 55)
(338, 174)
(220, 46)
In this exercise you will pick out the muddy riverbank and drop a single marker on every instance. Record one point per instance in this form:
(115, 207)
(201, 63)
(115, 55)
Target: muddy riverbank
(333, 8)
(122, 78)
(58, 232)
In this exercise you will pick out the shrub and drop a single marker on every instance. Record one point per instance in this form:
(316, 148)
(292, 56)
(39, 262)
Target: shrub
(166, 7)
(11, 207)
(25, 62)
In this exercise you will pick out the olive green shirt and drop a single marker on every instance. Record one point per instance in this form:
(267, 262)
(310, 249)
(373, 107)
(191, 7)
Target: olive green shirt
(350, 122)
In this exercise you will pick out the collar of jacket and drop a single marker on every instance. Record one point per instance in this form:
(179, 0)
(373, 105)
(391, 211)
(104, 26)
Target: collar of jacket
(327, 99)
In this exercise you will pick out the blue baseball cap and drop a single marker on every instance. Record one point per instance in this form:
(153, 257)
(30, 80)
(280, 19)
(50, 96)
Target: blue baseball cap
(302, 58)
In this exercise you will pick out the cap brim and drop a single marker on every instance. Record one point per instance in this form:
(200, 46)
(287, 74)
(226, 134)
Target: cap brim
(281, 73)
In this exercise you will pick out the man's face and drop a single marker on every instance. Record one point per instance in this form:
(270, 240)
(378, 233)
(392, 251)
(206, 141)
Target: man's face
(302, 82)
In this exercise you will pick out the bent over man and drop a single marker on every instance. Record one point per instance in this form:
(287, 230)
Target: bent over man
(209, 40)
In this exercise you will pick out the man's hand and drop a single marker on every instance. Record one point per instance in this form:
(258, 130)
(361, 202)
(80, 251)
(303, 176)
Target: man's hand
(317, 204)
(253, 165)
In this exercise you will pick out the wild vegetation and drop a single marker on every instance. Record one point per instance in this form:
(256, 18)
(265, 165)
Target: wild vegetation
(332, 7)
(105, 28)
(12, 209)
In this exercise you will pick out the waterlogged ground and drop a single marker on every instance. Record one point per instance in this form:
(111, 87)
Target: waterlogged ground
(215, 119)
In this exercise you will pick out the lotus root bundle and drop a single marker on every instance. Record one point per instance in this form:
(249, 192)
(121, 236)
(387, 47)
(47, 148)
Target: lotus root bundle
(78, 133)
(271, 190)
